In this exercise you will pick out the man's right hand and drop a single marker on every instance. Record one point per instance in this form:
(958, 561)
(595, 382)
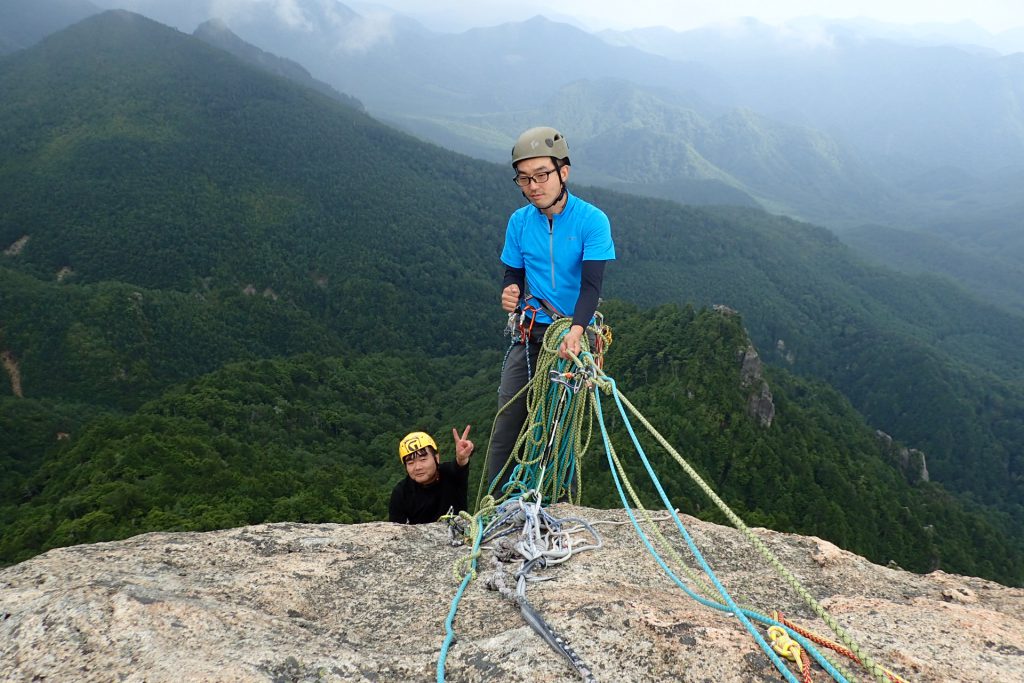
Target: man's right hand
(510, 298)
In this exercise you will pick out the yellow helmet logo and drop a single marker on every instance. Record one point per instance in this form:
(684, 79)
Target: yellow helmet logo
(414, 441)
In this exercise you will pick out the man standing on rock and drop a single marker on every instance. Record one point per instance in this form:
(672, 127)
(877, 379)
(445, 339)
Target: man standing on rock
(431, 488)
(554, 256)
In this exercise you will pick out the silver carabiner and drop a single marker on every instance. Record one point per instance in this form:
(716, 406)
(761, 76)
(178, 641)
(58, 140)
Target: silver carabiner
(569, 380)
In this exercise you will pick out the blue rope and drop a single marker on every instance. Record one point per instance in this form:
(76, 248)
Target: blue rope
(732, 607)
(449, 626)
(524, 477)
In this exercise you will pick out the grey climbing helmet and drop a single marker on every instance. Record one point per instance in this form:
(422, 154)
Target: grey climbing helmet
(542, 141)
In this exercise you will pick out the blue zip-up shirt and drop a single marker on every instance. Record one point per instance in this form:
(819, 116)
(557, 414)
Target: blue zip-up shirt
(552, 253)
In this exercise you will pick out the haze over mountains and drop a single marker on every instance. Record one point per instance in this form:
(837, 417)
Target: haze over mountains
(184, 212)
(23, 22)
(892, 131)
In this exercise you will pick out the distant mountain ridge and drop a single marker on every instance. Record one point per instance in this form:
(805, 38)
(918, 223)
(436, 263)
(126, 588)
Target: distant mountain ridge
(392, 58)
(845, 123)
(816, 29)
(839, 92)
(908, 111)
(730, 70)
(216, 33)
(1000, 277)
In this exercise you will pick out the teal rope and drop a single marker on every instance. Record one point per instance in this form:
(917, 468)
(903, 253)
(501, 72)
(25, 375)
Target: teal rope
(449, 623)
(525, 475)
(742, 614)
(563, 472)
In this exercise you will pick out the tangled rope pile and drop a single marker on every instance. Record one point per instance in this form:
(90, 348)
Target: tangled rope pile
(563, 400)
(558, 427)
(542, 540)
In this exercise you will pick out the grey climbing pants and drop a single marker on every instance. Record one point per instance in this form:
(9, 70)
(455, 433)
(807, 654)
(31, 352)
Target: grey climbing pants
(515, 374)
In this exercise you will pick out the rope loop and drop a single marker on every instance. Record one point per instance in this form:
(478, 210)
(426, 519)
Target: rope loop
(547, 455)
(563, 399)
(786, 646)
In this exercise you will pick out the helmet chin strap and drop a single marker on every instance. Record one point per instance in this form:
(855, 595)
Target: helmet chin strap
(559, 197)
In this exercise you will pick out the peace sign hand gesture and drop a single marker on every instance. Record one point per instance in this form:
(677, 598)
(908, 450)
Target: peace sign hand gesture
(463, 446)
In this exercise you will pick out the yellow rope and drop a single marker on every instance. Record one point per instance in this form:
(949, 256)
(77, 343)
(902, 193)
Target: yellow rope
(703, 586)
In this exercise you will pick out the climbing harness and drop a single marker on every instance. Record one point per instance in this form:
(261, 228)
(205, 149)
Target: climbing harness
(563, 401)
(517, 327)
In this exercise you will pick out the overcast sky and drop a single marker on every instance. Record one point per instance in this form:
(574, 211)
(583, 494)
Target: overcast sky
(993, 15)
(459, 15)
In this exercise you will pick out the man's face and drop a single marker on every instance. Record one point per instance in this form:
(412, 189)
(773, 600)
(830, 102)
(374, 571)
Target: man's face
(541, 194)
(421, 465)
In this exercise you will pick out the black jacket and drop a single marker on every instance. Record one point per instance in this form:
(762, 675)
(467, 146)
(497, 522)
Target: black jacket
(413, 503)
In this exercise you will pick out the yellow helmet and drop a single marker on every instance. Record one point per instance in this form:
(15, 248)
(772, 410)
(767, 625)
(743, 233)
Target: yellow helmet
(412, 442)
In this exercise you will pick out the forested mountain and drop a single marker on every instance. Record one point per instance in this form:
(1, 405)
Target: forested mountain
(172, 212)
(312, 438)
(841, 123)
(901, 110)
(995, 274)
(908, 108)
(644, 141)
(641, 123)
(164, 176)
(918, 357)
(890, 102)
(397, 67)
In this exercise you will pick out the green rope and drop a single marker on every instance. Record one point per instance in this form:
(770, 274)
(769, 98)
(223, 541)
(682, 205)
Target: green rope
(569, 440)
(483, 474)
(877, 671)
(702, 584)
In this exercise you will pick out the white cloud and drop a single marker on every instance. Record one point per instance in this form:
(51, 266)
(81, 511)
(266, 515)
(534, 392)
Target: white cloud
(364, 33)
(994, 15)
(815, 37)
(287, 12)
(292, 15)
(330, 20)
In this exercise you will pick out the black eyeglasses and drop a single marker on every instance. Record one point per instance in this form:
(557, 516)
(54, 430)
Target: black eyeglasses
(420, 455)
(539, 178)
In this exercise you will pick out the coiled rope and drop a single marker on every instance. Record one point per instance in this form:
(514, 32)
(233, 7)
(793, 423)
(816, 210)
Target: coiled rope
(551, 442)
(557, 431)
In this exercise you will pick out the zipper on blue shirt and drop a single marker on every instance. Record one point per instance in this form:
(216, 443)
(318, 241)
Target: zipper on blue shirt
(551, 250)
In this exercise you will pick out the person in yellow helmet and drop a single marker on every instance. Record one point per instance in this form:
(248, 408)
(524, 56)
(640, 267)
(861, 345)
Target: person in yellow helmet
(431, 488)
